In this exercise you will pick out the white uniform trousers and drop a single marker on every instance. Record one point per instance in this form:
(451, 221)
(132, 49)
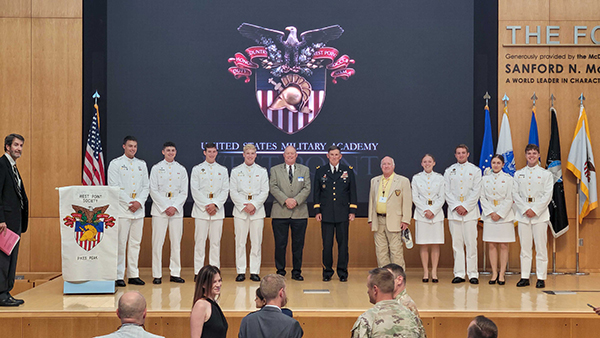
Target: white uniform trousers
(159, 231)
(130, 230)
(242, 227)
(527, 234)
(464, 235)
(213, 229)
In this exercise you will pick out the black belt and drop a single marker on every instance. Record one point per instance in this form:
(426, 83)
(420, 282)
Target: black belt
(382, 215)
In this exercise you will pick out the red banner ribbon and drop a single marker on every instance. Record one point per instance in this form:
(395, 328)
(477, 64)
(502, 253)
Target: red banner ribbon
(327, 53)
(240, 72)
(342, 74)
(257, 52)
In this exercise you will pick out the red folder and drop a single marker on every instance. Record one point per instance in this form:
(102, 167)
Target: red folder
(8, 240)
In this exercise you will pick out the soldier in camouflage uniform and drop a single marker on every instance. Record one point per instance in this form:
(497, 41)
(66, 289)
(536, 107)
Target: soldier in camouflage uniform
(400, 293)
(387, 318)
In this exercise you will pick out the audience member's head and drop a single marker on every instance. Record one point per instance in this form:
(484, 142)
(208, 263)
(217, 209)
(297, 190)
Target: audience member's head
(132, 308)
(208, 283)
(399, 277)
(272, 288)
(380, 285)
(259, 299)
(482, 327)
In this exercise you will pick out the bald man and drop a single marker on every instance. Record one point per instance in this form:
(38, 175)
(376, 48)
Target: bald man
(390, 212)
(132, 312)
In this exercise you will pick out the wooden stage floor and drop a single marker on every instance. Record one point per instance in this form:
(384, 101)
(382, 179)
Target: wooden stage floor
(443, 306)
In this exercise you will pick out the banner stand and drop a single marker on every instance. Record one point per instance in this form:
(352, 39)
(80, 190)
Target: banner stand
(89, 287)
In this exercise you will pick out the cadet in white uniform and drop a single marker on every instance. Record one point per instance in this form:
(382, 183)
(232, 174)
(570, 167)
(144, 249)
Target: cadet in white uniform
(463, 184)
(169, 190)
(210, 188)
(249, 189)
(532, 192)
(428, 197)
(131, 175)
(498, 216)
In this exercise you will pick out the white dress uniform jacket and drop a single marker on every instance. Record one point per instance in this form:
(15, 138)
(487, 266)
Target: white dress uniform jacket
(209, 184)
(428, 194)
(249, 184)
(168, 188)
(496, 196)
(463, 185)
(532, 189)
(131, 175)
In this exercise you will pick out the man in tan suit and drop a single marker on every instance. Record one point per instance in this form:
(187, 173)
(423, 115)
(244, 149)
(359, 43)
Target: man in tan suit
(290, 186)
(390, 208)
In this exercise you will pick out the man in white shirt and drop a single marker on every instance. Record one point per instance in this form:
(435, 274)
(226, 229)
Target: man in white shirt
(131, 175)
(249, 189)
(463, 185)
(532, 192)
(210, 188)
(169, 190)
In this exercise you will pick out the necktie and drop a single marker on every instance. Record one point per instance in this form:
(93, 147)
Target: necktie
(291, 175)
(16, 172)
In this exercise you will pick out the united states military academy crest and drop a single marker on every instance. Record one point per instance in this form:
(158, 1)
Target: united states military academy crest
(89, 225)
(291, 72)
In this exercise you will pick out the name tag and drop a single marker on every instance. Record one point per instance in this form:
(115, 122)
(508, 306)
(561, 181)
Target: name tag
(300, 179)
(382, 199)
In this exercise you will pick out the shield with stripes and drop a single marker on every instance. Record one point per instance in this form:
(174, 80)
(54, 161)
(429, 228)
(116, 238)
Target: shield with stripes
(290, 102)
(88, 235)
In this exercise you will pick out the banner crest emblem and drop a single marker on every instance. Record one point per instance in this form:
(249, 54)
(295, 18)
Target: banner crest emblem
(89, 225)
(291, 72)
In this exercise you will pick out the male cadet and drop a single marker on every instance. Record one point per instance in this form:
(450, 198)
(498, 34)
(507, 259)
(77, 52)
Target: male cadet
(131, 175)
(290, 186)
(335, 205)
(532, 192)
(210, 188)
(169, 190)
(390, 211)
(388, 318)
(249, 189)
(463, 184)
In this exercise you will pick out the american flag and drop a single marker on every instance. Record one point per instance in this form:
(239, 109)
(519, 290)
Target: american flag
(93, 166)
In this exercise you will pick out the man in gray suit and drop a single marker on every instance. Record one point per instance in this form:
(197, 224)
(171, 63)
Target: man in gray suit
(132, 312)
(290, 186)
(269, 321)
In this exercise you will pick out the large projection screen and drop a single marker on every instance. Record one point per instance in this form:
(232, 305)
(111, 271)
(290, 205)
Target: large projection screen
(411, 93)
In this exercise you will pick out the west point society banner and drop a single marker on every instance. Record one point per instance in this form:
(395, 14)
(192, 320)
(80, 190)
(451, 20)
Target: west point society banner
(89, 232)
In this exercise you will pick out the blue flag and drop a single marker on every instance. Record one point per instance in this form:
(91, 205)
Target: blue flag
(533, 130)
(487, 147)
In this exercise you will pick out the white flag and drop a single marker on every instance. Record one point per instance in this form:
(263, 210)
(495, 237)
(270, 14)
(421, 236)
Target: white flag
(89, 232)
(505, 147)
(581, 163)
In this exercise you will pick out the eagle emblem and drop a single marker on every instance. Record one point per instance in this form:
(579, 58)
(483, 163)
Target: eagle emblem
(89, 225)
(291, 72)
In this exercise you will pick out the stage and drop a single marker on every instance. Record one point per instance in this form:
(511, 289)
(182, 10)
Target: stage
(323, 308)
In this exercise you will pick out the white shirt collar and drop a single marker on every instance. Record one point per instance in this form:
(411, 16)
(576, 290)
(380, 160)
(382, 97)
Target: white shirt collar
(10, 159)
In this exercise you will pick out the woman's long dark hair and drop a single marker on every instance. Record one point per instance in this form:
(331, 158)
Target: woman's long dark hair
(204, 281)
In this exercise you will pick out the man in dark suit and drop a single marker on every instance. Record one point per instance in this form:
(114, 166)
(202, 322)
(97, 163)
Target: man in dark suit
(335, 206)
(270, 321)
(290, 185)
(13, 214)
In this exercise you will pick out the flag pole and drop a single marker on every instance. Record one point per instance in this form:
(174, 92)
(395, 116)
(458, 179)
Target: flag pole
(553, 238)
(487, 98)
(577, 223)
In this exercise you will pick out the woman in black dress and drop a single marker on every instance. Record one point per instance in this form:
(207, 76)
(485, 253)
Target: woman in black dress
(207, 319)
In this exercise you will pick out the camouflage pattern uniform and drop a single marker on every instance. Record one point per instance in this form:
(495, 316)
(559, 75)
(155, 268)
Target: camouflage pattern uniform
(404, 299)
(388, 318)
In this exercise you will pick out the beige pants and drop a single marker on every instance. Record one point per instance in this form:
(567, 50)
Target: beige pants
(388, 245)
